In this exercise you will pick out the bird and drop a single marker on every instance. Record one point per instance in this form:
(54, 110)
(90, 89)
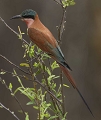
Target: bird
(43, 38)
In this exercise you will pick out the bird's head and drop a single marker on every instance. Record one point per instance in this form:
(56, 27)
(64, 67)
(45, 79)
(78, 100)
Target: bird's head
(28, 16)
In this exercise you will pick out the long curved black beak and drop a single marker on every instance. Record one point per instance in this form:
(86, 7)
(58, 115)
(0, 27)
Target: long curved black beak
(16, 17)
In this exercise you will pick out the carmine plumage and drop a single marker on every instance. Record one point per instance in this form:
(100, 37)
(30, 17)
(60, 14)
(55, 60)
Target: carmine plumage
(44, 39)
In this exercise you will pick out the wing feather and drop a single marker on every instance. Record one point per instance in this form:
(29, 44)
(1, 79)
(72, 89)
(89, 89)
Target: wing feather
(47, 43)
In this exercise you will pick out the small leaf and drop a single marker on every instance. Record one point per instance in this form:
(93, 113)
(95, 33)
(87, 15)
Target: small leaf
(54, 65)
(52, 117)
(10, 86)
(47, 115)
(45, 56)
(2, 72)
(27, 116)
(36, 107)
(36, 64)
(20, 111)
(48, 71)
(1, 106)
(31, 51)
(67, 3)
(30, 103)
(20, 33)
(66, 85)
(24, 64)
(39, 50)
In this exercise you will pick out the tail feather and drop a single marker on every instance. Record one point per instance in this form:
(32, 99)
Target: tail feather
(66, 72)
(84, 101)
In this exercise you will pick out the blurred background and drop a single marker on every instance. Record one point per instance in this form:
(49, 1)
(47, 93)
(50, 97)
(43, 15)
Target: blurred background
(81, 45)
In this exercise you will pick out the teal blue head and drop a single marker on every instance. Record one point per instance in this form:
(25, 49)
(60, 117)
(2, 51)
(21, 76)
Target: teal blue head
(29, 13)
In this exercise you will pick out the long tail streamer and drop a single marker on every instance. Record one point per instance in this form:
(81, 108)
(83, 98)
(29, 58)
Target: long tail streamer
(66, 72)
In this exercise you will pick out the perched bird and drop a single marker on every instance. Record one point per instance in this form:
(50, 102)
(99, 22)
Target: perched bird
(44, 39)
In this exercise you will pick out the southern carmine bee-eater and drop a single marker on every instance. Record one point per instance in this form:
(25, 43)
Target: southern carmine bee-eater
(44, 39)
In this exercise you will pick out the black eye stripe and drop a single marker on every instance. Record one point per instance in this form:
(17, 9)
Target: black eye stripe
(28, 16)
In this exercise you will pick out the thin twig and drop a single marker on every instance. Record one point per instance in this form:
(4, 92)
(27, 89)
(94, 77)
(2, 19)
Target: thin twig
(9, 111)
(14, 64)
(13, 74)
(58, 2)
(12, 30)
(61, 26)
(3, 82)
(37, 81)
(60, 33)
(62, 91)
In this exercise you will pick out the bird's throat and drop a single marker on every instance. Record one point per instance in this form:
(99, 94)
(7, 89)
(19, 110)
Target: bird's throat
(28, 21)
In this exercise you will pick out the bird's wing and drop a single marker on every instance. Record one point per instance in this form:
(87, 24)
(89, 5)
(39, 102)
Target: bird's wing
(45, 41)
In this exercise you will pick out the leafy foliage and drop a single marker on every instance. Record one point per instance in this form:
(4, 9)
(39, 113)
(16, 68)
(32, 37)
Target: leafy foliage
(67, 3)
(46, 97)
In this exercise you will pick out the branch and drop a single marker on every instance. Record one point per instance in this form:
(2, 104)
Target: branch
(3, 82)
(13, 30)
(9, 111)
(61, 26)
(58, 2)
(37, 81)
(14, 64)
(62, 91)
(60, 33)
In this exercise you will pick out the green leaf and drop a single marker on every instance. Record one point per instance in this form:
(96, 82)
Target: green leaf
(36, 107)
(65, 114)
(52, 117)
(54, 65)
(39, 50)
(45, 56)
(20, 33)
(1, 106)
(52, 77)
(24, 64)
(20, 111)
(48, 71)
(19, 80)
(10, 86)
(30, 103)
(31, 51)
(67, 3)
(2, 72)
(47, 115)
(36, 64)
(27, 116)
(66, 85)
